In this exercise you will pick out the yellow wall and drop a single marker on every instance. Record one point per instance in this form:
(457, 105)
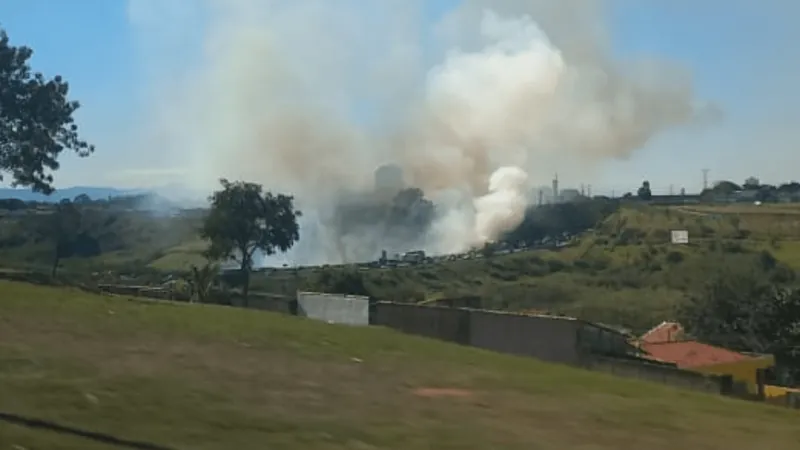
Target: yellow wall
(776, 392)
(740, 371)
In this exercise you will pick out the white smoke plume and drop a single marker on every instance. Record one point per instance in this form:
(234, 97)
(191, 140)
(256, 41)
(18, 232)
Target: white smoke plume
(503, 208)
(311, 96)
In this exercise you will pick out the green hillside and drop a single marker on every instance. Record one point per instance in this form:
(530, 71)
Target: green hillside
(623, 271)
(204, 377)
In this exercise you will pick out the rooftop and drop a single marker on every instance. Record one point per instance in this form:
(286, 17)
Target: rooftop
(688, 354)
(665, 332)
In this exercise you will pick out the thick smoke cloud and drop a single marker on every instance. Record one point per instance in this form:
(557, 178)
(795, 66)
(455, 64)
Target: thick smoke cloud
(311, 96)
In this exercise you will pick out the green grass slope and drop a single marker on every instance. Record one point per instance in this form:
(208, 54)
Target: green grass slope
(202, 377)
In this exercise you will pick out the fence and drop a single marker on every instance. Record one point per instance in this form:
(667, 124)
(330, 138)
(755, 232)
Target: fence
(437, 322)
(140, 291)
(331, 308)
(269, 302)
(715, 384)
(548, 338)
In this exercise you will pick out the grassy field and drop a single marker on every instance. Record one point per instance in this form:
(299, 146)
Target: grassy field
(201, 377)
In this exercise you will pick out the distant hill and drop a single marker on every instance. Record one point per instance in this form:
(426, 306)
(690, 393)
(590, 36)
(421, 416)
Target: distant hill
(95, 193)
(174, 193)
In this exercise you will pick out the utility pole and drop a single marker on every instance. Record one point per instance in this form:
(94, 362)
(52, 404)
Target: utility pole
(705, 179)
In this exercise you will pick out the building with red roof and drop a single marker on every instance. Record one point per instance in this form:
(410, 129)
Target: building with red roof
(667, 343)
(665, 332)
(692, 354)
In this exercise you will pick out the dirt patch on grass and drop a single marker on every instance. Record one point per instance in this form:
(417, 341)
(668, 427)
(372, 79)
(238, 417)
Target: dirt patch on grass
(431, 392)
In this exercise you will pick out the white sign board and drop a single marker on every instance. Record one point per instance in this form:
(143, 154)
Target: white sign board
(680, 237)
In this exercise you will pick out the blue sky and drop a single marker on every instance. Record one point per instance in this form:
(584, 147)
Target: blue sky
(743, 55)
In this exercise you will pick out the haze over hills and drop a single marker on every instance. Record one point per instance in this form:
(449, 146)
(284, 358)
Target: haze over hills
(173, 192)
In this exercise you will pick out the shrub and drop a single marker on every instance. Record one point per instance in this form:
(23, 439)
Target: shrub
(674, 257)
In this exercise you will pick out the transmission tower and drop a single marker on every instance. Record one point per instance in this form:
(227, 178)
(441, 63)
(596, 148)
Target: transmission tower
(705, 179)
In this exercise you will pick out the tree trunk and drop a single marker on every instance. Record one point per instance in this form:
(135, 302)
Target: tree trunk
(56, 260)
(245, 269)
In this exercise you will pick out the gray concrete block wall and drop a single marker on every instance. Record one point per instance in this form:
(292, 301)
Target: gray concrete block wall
(447, 324)
(334, 308)
(654, 373)
(546, 338)
(274, 303)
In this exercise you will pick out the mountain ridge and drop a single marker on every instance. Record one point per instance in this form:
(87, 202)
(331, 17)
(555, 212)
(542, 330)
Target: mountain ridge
(174, 193)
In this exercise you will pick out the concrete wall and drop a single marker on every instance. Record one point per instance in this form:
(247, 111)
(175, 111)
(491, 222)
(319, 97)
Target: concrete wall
(553, 339)
(790, 399)
(140, 291)
(543, 337)
(655, 373)
(333, 308)
(597, 339)
(269, 302)
(472, 302)
(772, 392)
(447, 324)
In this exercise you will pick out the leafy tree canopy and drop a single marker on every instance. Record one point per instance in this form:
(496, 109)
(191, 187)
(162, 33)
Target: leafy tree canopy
(243, 220)
(744, 310)
(725, 187)
(36, 122)
(644, 191)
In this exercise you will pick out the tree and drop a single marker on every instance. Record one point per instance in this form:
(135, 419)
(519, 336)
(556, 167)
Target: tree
(201, 280)
(244, 220)
(644, 192)
(557, 219)
(791, 187)
(766, 193)
(381, 222)
(410, 208)
(82, 199)
(745, 310)
(36, 122)
(725, 187)
(751, 183)
(65, 228)
(12, 204)
(347, 282)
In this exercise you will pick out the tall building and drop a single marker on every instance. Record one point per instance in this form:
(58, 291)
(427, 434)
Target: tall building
(556, 195)
(389, 178)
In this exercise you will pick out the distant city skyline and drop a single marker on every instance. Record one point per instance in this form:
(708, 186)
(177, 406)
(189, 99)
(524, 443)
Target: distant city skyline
(178, 191)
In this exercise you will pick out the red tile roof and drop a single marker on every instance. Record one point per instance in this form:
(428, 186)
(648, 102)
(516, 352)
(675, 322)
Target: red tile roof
(687, 354)
(666, 332)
